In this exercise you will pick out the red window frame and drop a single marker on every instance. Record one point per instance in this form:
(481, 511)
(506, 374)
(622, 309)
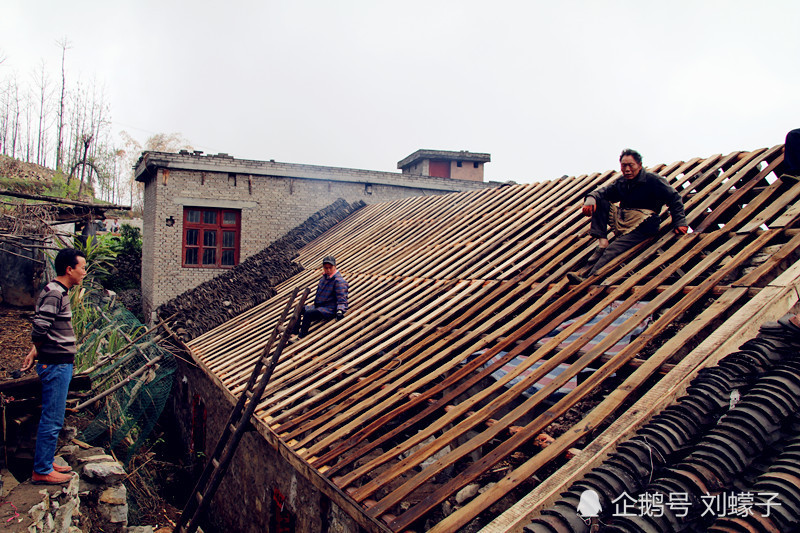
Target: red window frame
(210, 238)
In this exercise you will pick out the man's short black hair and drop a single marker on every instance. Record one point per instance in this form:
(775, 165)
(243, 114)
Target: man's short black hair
(67, 257)
(633, 153)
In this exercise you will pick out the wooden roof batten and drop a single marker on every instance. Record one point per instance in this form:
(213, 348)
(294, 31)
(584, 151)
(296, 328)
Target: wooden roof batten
(392, 410)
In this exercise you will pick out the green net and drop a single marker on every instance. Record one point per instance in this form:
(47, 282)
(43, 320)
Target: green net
(134, 360)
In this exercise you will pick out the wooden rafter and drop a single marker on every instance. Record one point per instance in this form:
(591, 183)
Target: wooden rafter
(395, 408)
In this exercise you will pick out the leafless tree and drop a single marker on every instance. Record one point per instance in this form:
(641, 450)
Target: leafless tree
(14, 95)
(26, 105)
(64, 44)
(5, 102)
(82, 140)
(43, 84)
(158, 142)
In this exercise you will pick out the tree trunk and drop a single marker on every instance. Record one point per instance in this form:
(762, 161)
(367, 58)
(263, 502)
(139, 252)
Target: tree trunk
(59, 146)
(87, 140)
(41, 149)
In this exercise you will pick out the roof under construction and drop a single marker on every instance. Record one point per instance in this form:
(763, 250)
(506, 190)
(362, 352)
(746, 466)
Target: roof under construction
(466, 349)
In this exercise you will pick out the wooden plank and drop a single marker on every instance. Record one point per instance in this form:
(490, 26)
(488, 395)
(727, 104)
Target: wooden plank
(699, 205)
(412, 367)
(529, 404)
(772, 210)
(740, 193)
(483, 340)
(450, 389)
(787, 252)
(755, 205)
(472, 471)
(443, 304)
(770, 304)
(518, 515)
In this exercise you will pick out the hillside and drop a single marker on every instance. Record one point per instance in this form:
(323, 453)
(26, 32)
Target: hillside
(16, 175)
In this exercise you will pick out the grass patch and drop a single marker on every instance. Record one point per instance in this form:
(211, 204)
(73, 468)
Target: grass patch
(23, 185)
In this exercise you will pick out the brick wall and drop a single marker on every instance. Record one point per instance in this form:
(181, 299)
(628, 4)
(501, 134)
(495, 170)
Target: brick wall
(244, 500)
(273, 199)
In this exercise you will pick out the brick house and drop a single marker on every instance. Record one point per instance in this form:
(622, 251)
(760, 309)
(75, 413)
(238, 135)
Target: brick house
(461, 165)
(203, 213)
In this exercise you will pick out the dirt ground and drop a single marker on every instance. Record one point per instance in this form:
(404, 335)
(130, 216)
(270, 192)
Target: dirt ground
(15, 338)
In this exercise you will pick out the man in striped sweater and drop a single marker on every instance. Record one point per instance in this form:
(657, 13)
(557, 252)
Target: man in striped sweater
(54, 347)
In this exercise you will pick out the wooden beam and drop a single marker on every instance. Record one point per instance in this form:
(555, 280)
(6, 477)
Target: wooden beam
(57, 200)
(770, 304)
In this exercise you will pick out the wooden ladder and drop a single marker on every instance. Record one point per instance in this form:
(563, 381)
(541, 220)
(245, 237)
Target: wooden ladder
(240, 417)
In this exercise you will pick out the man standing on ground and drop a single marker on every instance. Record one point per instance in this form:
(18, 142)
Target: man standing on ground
(54, 345)
(330, 300)
(641, 196)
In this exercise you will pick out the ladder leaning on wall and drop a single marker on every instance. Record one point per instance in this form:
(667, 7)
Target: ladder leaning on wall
(218, 463)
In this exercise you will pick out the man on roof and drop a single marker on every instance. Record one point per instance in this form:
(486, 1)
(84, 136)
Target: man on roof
(330, 300)
(641, 195)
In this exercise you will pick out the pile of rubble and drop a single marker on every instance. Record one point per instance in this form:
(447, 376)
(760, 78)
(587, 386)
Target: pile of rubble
(95, 499)
(252, 281)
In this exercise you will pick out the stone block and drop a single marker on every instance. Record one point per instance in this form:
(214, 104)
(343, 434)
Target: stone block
(69, 452)
(115, 495)
(104, 472)
(63, 516)
(96, 459)
(467, 493)
(116, 514)
(94, 450)
(86, 487)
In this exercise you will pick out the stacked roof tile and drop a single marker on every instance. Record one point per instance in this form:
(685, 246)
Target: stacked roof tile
(399, 408)
(692, 467)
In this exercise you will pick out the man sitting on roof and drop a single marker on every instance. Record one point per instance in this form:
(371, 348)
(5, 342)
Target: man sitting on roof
(641, 196)
(330, 300)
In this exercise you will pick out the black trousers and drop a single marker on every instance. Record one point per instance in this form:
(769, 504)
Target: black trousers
(791, 156)
(312, 314)
(599, 229)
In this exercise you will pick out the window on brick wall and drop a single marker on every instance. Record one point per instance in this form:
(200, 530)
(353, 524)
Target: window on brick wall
(210, 237)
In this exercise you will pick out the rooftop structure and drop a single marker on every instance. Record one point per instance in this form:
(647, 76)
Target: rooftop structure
(469, 374)
(461, 165)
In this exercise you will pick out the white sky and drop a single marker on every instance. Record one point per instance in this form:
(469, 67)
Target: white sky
(546, 87)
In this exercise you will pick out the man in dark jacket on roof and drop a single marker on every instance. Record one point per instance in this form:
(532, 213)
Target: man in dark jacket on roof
(330, 300)
(641, 195)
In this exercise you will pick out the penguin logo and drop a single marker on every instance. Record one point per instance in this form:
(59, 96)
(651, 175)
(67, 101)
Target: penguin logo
(589, 505)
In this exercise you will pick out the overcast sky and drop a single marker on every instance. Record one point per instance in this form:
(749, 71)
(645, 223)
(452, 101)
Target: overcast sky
(546, 87)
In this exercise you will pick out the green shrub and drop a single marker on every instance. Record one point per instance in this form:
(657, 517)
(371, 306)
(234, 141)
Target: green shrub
(58, 187)
(127, 267)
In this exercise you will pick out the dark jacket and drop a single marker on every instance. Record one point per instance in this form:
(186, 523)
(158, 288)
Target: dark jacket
(645, 191)
(332, 293)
